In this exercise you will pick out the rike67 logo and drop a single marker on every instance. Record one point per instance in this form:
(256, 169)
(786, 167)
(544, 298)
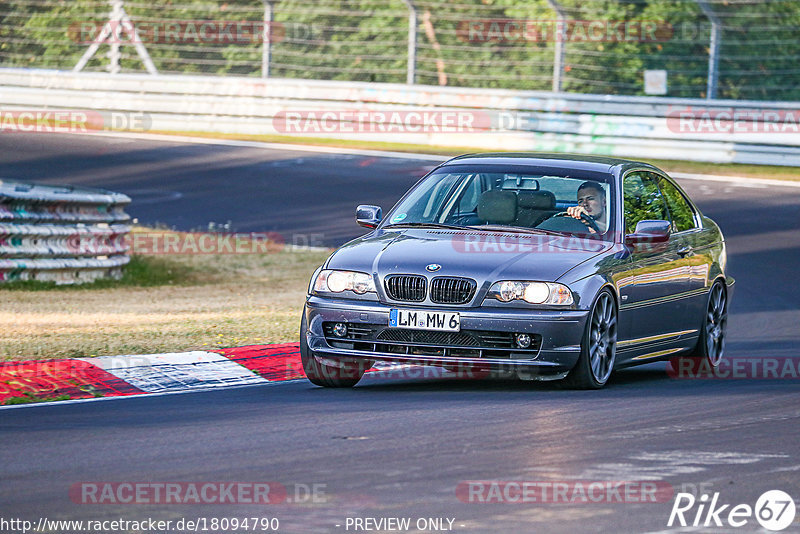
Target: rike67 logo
(774, 510)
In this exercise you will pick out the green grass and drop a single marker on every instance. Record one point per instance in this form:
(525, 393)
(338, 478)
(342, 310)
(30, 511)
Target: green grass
(141, 271)
(168, 303)
(30, 398)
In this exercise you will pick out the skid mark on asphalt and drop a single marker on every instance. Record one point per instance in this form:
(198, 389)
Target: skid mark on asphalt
(661, 465)
(706, 425)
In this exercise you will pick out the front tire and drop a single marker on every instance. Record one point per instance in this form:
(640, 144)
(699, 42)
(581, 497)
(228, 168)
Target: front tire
(598, 347)
(323, 375)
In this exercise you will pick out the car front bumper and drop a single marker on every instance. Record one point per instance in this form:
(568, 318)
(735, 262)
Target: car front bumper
(558, 334)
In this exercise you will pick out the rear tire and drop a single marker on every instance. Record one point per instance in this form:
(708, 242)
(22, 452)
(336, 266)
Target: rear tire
(323, 375)
(598, 346)
(710, 347)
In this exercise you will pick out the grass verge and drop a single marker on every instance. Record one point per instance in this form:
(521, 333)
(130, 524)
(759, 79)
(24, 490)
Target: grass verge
(30, 399)
(163, 304)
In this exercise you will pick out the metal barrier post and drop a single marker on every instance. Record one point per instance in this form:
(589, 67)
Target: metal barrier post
(412, 42)
(713, 48)
(560, 36)
(266, 50)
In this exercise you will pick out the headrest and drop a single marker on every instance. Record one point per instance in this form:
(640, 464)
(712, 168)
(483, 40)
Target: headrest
(498, 206)
(537, 200)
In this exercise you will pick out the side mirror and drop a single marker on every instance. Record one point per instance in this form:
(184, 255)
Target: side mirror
(649, 235)
(368, 216)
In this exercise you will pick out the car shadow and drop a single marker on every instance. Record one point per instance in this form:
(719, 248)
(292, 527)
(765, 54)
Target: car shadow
(650, 380)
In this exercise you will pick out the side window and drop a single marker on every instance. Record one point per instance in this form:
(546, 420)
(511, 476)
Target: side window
(679, 208)
(642, 200)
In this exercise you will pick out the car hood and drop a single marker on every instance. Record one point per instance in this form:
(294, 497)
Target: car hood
(482, 256)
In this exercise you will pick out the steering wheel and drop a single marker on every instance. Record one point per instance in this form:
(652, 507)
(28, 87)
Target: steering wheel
(585, 219)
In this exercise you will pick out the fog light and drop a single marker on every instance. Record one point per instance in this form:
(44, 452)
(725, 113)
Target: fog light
(523, 341)
(340, 330)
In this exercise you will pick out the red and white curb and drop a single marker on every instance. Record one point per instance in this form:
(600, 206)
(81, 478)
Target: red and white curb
(113, 376)
(23, 383)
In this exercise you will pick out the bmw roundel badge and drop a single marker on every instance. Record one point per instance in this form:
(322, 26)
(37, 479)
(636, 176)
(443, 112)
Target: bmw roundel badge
(433, 267)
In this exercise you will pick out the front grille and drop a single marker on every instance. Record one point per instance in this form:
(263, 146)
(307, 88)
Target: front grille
(406, 287)
(466, 343)
(445, 290)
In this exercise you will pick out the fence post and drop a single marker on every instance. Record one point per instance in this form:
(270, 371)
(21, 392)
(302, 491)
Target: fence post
(266, 47)
(713, 48)
(113, 52)
(118, 22)
(560, 37)
(412, 42)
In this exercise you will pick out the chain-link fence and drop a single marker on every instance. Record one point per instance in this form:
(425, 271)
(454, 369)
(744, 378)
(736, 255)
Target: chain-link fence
(748, 48)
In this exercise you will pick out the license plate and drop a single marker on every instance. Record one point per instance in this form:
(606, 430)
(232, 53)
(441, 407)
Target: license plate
(425, 320)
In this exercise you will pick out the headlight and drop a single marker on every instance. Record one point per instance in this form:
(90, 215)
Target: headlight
(531, 292)
(337, 281)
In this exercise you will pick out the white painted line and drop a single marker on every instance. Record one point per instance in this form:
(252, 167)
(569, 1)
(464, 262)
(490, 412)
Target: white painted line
(177, 371)
(739, 180)
(145, 395)
(272, 146)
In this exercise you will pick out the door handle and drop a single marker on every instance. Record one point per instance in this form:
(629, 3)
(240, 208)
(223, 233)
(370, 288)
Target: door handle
(684, 251)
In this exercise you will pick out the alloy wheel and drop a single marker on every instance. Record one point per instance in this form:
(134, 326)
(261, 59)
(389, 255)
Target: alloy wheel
(603, 338)
(716, 319)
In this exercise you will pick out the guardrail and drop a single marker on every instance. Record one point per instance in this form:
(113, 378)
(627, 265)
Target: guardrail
(642, 127)
(61, 234)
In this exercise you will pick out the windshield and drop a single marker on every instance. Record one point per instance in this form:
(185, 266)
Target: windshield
(509, 200)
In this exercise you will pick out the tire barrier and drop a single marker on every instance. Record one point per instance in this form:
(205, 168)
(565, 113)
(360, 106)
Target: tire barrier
(61, 234)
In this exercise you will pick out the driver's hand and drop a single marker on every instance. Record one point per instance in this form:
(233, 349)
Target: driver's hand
(577, 211)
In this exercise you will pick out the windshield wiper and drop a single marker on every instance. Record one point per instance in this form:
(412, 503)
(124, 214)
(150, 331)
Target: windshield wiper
(426, 225)
(514, 229)
(484, 227)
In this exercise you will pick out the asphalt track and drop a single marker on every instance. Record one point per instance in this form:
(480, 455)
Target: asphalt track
(400, 446)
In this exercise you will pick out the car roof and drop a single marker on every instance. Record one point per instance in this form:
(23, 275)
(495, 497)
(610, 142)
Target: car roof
(582, 162)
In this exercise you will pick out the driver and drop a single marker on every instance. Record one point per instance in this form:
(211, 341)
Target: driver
(591, 203)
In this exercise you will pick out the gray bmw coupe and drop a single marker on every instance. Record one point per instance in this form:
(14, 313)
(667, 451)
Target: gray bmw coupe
(547, 266)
